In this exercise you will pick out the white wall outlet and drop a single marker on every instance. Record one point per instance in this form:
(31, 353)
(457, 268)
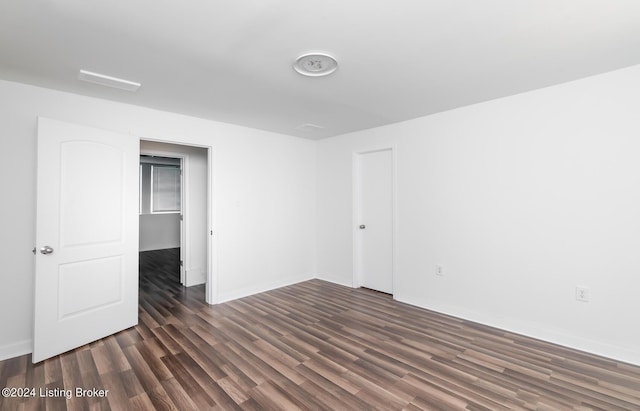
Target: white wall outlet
(583, 294)
(439, 270)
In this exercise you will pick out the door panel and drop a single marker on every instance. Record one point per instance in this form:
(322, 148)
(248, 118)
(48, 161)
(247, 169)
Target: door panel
(90, 185)
(376, 215)
(90, 285)
(87, 212)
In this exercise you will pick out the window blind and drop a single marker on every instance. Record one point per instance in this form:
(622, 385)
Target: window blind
(165, 189)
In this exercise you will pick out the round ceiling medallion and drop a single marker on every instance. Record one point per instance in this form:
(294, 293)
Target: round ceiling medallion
(315, 64)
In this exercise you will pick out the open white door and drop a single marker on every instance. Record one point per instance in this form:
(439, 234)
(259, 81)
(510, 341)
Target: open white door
(86, 281)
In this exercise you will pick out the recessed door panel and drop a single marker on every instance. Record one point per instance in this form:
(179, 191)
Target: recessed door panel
(90, 285)
(91, 197)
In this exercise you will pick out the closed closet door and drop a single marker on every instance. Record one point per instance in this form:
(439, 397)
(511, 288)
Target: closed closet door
(375, 230)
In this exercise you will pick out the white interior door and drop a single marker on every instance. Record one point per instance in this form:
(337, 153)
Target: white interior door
(86, 281)
(375, 187)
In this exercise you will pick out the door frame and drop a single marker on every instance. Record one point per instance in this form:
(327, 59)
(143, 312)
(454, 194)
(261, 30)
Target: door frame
(357, 246)
(184, 190)
(211, 285)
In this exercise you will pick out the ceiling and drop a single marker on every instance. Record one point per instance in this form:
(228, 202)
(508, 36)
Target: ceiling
(231, 61)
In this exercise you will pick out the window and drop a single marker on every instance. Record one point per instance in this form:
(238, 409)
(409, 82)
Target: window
(160, 179)
(165, 188)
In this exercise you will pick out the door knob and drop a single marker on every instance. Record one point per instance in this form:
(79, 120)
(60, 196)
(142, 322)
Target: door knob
(362, 226)
(46, 250)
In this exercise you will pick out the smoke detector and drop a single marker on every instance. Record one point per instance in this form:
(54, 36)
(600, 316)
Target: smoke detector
(315, 64)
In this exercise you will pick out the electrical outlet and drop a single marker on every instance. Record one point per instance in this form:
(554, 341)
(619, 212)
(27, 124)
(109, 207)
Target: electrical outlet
(439, 270)
(582, 294)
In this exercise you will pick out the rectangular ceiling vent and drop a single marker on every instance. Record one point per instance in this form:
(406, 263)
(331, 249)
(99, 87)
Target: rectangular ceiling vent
(108, 81)
(309, 127)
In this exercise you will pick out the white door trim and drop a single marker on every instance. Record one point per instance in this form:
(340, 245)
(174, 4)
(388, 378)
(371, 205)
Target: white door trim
(357, 275)
(211, 287)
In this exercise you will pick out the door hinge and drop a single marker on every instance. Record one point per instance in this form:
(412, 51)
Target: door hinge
(180, 263)
(181, 217)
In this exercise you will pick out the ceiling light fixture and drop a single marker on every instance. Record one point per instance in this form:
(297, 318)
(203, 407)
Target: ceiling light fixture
(108, 81)
(315, 64)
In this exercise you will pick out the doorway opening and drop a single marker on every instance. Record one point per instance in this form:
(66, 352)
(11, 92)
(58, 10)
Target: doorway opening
(174, 218)
(161, 200)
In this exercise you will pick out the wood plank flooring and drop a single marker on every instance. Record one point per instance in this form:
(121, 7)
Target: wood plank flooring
(313, 345)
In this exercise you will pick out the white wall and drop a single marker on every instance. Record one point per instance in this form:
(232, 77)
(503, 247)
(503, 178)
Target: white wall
(263, 202)
(521, 200)
(161, 231)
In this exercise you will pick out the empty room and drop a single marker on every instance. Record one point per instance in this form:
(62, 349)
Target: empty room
(281, 205)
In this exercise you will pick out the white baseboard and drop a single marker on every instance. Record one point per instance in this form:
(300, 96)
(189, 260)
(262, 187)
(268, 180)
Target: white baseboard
(195, 276)
(539, 332)
(335, 281)
(247, 291)
(16, 349)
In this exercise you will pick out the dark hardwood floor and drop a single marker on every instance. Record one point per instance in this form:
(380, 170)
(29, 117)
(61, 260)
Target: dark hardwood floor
(314, 345)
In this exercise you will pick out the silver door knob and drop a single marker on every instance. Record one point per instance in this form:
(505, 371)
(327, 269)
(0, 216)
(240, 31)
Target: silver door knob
(362, 226)
(46, 250)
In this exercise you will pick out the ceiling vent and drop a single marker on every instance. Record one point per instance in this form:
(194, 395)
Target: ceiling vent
(315, 64)
(108, 81)
(309, 127)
